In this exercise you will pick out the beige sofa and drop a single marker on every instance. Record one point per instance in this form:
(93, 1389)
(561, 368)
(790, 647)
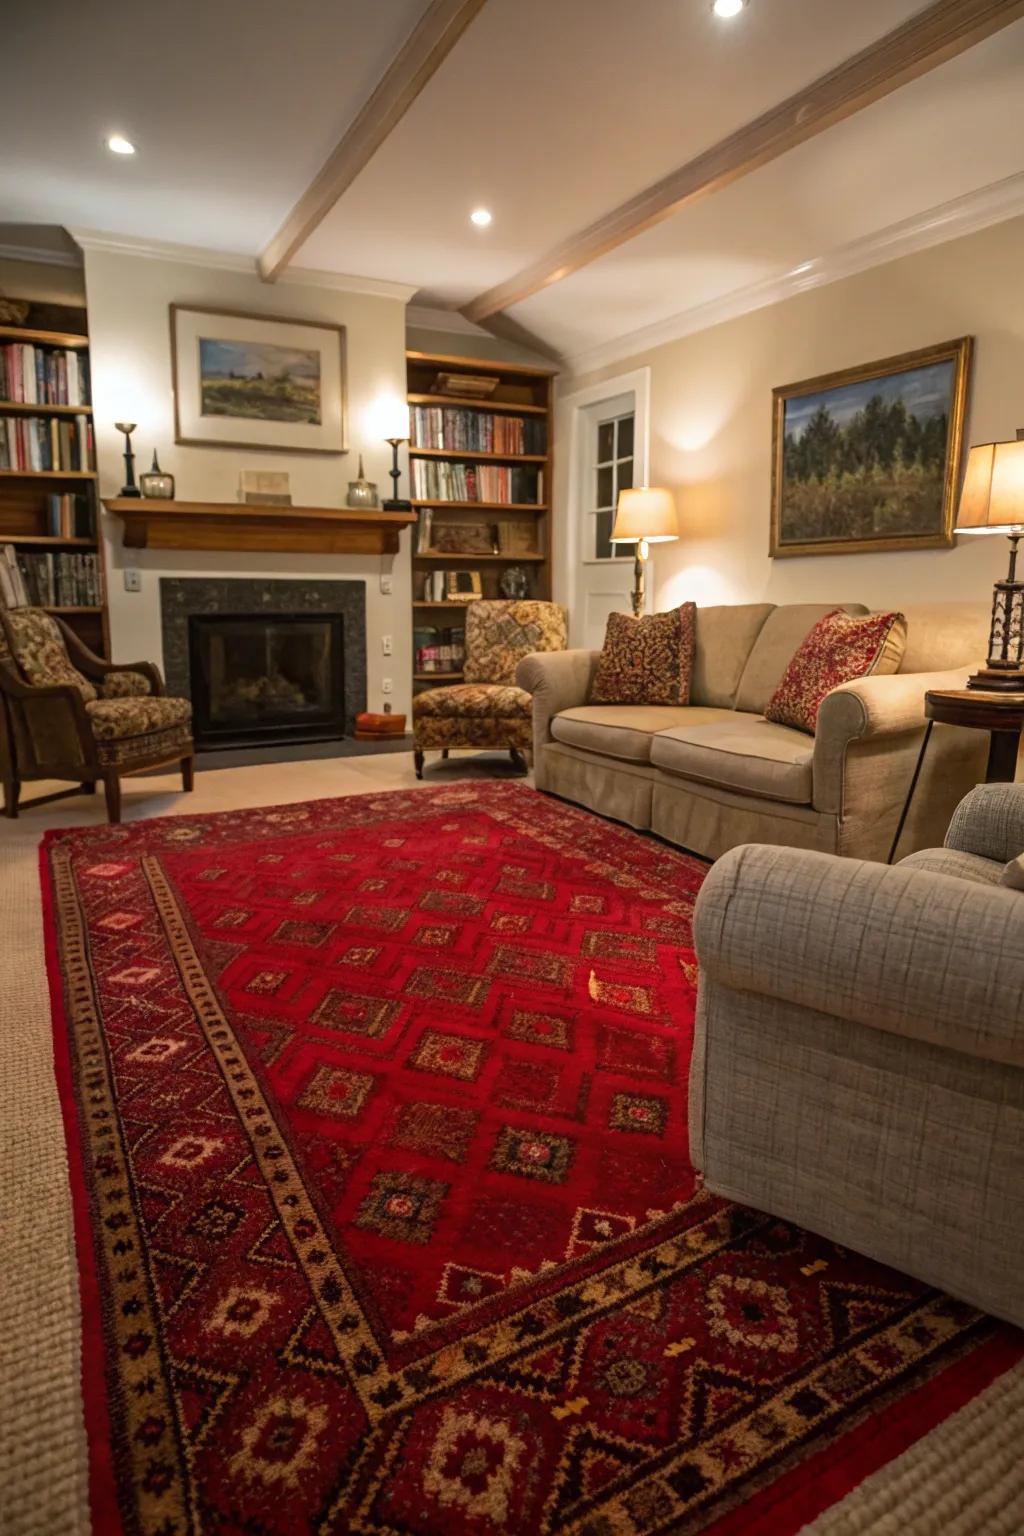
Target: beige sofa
(858, 1061)
(717, 773)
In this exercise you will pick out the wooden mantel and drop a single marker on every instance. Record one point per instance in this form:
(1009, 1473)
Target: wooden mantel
(232, 525)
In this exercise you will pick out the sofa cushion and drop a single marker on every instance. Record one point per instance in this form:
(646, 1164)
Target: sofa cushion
(839, 649)
(781, 636)
(952, 861)
(725, 637)
(624, 731)
(490, 700)
(646, 660)
(114, 719)
(740, 752)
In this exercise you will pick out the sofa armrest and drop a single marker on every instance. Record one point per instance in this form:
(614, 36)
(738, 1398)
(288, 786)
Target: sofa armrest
(989, 822)
(557, 680)
(927, 956)
(866, 710)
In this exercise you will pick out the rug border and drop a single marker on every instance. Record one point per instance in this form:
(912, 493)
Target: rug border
(104, 1506)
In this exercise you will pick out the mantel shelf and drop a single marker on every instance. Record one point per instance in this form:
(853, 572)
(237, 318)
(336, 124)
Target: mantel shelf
(233, 525)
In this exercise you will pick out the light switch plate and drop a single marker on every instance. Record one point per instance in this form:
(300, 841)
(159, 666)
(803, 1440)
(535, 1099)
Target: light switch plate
(132, 579)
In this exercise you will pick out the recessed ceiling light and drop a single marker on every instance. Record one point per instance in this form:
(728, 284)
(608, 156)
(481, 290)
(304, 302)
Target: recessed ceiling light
(119, 145)
(728, 8)
(481, 217)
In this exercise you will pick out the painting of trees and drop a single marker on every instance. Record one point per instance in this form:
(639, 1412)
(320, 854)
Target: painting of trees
(865, 461)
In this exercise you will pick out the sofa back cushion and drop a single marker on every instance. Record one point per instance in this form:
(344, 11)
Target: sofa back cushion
(38, 648)
(500, 633)
(781, 636)
(725, 637)
(945, 635)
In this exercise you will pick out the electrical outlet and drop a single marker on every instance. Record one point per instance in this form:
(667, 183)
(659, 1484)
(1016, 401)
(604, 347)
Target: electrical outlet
(386, 644)
(387, 686)
(385, 586)
(387, 709)
(132, 579)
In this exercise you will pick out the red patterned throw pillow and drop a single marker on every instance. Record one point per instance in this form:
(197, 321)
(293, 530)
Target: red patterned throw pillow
(837, 650)
(648, 660)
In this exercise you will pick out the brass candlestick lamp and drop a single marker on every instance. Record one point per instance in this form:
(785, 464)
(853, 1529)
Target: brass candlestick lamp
(647, 515)
(129, 488)
(993, 502)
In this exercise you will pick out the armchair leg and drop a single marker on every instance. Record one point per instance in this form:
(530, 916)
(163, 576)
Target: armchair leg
(417, 760)
(12, 792)
(89, 787)
(188, 774)
(518, 760)
(444, 754)
(112, 791)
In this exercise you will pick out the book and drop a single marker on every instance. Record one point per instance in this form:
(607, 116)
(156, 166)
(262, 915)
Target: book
(460, 430)
(36, 374)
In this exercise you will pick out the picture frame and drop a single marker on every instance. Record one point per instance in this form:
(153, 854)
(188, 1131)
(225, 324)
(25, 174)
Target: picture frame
(868, 459)
(248, 380)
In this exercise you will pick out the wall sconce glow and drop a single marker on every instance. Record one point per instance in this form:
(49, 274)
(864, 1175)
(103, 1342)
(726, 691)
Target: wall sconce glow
(481, 217)
(119, 145)
(728, 8)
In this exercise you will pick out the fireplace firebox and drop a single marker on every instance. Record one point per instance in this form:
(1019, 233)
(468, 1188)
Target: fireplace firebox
(266, 678)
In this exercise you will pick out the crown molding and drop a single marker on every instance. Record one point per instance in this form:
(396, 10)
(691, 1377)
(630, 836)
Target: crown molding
(40, 256)
(231, 261)
(994, 204)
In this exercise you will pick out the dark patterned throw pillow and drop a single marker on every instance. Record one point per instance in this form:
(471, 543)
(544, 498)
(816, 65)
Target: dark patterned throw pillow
(647, 660)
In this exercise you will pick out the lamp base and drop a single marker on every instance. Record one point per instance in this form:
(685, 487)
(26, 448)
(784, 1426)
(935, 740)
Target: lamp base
(997, 680)
(129, 490)
(393, 504)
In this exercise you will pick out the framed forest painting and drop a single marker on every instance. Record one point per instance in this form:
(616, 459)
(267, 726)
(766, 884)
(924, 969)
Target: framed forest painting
(868, 459)
(257, 381)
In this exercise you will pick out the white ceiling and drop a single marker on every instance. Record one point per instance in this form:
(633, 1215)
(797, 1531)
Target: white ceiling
(549, 112)
(233, 106)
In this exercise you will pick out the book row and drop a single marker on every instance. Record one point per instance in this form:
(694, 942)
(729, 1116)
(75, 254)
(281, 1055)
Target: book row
(48, 581)
(69, 516)
(37, 443)
(440, 650)
(31, 375)
(436, 426)
(438, 480)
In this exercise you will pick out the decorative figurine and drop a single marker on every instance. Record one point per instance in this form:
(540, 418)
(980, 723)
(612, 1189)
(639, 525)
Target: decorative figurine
(514, 583)
(129, 488)
(156, 485)
(361, 492)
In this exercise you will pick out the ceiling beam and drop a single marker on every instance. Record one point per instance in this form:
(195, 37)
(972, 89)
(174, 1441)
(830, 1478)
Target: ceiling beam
(422, 53)
(936, 34)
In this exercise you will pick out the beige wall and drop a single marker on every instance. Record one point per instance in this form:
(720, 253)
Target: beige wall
(44, 281)
(711, 422)
(128, 299)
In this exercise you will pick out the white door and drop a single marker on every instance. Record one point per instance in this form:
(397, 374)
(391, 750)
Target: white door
(610, 455)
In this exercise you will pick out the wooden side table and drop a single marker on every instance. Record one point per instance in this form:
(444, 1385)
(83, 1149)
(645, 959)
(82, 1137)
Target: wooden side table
(1001, 714)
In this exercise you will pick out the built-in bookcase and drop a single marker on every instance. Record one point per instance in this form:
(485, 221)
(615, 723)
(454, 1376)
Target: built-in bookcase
(49, 517)
(481, 480)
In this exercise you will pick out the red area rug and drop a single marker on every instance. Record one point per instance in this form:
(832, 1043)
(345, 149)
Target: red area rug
(376, 1114)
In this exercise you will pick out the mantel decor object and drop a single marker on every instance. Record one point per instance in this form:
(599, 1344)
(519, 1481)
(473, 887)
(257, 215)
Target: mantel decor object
(646, 515)
(992, 501)
(129, 488)
(361, 492)
(156, 485)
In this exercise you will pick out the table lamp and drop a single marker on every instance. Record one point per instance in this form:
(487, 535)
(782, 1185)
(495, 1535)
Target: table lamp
(646, 514)
(992, 501)
(393, 426)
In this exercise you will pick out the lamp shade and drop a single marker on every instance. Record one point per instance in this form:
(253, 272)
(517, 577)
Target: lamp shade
(646, 513)
(992, 499)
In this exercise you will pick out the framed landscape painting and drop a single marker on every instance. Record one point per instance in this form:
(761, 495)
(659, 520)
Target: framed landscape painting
(869, 459)
(257, 381)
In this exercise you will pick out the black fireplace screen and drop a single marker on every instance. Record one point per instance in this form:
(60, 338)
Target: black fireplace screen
(265, 678)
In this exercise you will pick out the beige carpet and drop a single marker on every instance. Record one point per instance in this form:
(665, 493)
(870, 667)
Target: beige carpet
(964, 1479)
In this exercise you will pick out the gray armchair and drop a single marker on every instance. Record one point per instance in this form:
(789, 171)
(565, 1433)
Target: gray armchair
(859, 1055)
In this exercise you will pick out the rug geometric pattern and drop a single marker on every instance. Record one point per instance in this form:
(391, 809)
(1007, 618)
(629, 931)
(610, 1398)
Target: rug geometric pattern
(377, 1121)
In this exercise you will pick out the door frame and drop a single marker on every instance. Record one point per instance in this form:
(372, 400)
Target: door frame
(638, 383)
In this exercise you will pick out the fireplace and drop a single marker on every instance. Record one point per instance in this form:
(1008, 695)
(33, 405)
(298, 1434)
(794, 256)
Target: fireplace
(266, 661)
(266, 678)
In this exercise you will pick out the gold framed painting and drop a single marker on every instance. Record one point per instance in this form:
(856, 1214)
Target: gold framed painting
(868, 459)
(246, 380)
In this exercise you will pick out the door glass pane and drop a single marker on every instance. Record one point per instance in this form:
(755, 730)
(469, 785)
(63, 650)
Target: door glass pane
(625, 446)
(603, 547)
(626, 475)
(605, 441)
(606, 486)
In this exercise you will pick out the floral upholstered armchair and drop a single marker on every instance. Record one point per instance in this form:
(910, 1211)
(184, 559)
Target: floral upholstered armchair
(65, 713)
(487, 710)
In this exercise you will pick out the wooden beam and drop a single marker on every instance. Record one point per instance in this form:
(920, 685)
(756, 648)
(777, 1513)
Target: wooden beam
(423, 52)
(936, 34)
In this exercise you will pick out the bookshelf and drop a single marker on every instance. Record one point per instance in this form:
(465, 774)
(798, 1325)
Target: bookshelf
(35, 502)
(509, 504)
